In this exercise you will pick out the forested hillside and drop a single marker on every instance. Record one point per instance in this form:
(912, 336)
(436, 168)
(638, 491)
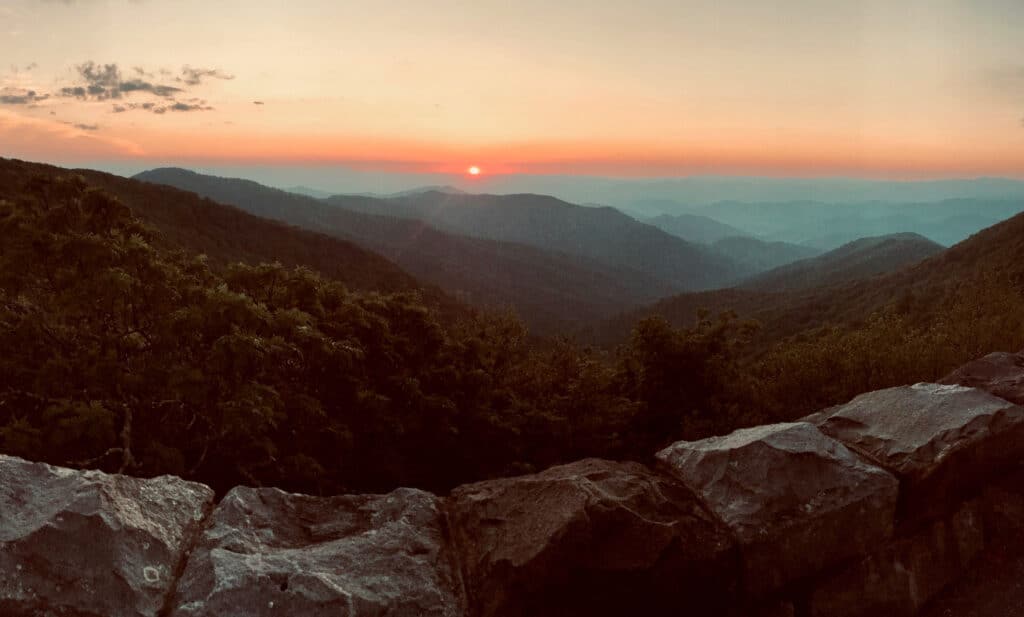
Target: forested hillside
(226, 234)
(860, 259)
(819, 346)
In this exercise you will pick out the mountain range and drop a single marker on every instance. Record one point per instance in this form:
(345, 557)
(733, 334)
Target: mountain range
(602, 234)
(860, 259)
(550, 290)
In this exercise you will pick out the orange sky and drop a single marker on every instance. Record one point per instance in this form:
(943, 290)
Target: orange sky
(658, 88)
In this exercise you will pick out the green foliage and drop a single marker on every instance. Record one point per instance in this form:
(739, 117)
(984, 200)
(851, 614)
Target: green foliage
(688, 382)
(903, 343)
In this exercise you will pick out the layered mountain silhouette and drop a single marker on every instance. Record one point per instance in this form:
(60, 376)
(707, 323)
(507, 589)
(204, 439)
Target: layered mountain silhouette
(550, 290)
(830, 225)
(602, 234)
(912, 284)
(760, 255)
(861, 258)
(696, 227)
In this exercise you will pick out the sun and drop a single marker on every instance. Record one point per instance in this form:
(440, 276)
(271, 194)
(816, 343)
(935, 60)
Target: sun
(474, 170)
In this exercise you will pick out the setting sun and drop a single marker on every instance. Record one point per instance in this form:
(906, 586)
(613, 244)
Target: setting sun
(474, 170)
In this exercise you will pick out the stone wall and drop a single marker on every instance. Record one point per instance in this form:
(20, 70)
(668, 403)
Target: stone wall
(867, 508)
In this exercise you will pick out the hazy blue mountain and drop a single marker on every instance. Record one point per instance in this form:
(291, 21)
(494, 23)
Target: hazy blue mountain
(860, 259)
(829, 225)
(448, 189)
(603, 234)
(307, 191)
(550, 290)
(695, 227)
(674, 194)
(760, 255)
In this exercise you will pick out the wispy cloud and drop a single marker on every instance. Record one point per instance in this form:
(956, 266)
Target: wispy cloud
(162, 108)
(127, 90)
(107, 82)
(19, 96)
(193, 76)
(102, 82)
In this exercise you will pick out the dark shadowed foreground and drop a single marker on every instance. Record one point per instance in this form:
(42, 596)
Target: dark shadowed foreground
(905, 501)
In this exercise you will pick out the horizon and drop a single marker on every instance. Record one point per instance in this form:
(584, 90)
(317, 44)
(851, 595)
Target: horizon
(653, 90)
(629, 193)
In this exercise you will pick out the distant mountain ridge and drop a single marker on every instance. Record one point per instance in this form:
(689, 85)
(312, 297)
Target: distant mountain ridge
(760, 255)
(827, 225)
(550, 290)
(859, 259)
(924, 288)
(695, 227)
(602, 234)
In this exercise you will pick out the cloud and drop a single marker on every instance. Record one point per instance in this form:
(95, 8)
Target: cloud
(106, 82)
(162, 108)
(87, 127)
(103, 82)
(257, 102)
(202, 106)
(194, 76)
(18, 96)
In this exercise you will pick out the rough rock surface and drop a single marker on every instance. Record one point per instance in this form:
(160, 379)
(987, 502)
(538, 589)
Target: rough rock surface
(994, 585)
(1000, 373)
(900, 579)
(942, 441)
(590, 538)
(267, 552)
(85, 543)
(796, 500)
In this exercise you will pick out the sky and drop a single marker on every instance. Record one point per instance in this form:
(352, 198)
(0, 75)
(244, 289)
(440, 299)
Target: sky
(649, 88)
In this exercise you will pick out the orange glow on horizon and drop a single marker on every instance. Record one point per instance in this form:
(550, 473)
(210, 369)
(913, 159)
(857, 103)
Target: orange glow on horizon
(805, 154)
(805, 157)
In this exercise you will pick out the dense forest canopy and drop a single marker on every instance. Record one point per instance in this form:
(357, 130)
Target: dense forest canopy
(129, 351)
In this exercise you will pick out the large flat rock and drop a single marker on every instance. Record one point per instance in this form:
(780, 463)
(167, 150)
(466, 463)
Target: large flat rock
(1000, 374)
(267, 552)
(942, 441)
(796, 500)
(591, 538)
(85, 543)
